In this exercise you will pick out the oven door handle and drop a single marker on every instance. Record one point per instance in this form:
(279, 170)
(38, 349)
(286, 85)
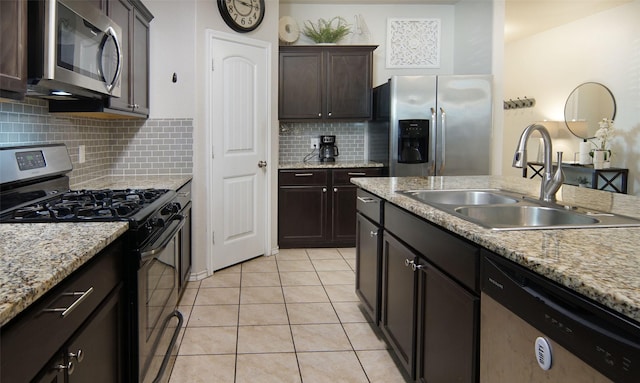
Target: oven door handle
(163, 240)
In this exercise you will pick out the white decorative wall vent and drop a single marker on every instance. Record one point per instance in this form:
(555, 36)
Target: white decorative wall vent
(413, 43)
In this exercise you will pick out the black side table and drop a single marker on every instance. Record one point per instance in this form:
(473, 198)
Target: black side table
(610, 179)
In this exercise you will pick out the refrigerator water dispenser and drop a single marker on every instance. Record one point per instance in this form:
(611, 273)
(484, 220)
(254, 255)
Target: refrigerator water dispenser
(413, 141)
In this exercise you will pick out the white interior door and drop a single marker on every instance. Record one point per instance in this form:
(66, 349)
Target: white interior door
(238, 124)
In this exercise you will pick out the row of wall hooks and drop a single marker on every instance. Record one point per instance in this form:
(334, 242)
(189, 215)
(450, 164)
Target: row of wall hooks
(520, 103)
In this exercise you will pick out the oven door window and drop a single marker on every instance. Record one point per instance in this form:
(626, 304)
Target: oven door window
(160, 285)
(85, 49)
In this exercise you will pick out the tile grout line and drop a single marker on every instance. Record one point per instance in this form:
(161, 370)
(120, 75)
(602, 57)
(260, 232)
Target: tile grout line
(286, 309)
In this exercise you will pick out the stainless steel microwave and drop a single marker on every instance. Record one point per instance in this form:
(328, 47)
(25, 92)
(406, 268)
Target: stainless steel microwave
(74, 50)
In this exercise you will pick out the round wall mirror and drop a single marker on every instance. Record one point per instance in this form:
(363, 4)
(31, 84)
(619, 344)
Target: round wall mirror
(586, 106)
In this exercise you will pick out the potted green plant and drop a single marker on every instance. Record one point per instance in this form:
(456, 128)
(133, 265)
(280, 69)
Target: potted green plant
(325, 32)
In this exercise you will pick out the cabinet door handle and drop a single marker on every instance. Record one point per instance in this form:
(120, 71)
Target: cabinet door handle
(303, 174)
(408, 263)
(79, 355)
(415, 267)
(319, 114)
(324, 190)
(69, 367)
(262, 164)
(329, 114)
(373, 233)
(67, 310)
(356, 174)
(367, 200)
(335, 190)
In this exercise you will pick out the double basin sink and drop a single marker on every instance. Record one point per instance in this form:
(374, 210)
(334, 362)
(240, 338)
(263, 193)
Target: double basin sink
(504, 210)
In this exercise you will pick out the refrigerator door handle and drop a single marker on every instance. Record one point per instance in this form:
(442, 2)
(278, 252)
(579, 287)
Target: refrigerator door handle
(444, 140)
(432, 138)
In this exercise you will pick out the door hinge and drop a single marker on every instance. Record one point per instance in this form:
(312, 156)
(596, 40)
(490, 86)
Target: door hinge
(213, 155)
(213, 237)
(213, 65)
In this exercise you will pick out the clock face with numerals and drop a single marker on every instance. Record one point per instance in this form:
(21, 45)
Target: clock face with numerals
(242, 15)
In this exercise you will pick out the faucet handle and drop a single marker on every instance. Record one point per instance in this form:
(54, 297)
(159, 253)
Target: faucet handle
(558, 176)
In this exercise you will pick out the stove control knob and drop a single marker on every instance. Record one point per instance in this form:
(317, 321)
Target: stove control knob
(157, 222)
(172, 208)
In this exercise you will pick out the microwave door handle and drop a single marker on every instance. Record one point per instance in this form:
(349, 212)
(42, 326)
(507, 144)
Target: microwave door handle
(110, 33)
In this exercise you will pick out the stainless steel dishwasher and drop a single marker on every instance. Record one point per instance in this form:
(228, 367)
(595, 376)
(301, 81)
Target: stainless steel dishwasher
(534, 330)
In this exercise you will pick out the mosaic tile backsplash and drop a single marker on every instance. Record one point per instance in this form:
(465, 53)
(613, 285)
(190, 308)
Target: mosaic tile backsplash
(113, 147)
(295, 140)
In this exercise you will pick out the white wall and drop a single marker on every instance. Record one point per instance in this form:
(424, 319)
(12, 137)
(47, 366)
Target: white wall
(473, 44)
(178, 44)
(172, 50)
(548, 66)
(376, 15)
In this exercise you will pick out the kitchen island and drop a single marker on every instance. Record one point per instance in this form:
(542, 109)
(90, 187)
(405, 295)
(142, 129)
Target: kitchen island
(423, 285)
(599, 263)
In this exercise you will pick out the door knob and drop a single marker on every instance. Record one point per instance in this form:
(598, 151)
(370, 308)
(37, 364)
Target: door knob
(262, 164)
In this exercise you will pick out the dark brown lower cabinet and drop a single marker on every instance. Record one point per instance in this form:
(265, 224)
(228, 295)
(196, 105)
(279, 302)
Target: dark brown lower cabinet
(317, 207)
(101, 344)
(399, 301)
(368, 261)
(94, 354)
(302, 208)
(87, 344)
(430, 304)
(448, 334)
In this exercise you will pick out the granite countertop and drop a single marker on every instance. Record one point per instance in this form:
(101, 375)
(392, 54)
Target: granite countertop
(135, 182)
(34, 257)
(599, 263)
(329, 165)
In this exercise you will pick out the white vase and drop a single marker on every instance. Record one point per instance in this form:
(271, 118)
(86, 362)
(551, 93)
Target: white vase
(598, 159)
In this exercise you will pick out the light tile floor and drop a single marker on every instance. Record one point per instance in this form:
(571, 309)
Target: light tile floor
(292, 317)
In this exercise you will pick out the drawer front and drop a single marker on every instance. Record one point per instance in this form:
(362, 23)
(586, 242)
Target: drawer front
(343, 176)
(370, 206)
(32, 338)
(302, 177)
(453, 255)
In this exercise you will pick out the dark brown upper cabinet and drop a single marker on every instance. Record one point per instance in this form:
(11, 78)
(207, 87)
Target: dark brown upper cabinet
(134, 18)
(13, 49)
(325, 82)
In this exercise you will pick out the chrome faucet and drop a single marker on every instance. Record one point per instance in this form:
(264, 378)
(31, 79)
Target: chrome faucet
(550, 183)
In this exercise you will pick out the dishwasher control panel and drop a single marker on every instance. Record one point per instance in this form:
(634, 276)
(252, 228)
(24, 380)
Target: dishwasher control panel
(602, 338)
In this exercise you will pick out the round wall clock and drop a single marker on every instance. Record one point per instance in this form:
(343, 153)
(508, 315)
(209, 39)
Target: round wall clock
(242, 15)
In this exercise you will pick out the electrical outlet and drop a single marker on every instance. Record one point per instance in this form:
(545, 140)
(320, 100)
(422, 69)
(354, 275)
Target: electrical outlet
(315, 143)
(82, 154)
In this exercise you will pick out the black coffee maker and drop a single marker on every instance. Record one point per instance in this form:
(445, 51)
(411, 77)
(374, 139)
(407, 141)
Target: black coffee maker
(328, 149)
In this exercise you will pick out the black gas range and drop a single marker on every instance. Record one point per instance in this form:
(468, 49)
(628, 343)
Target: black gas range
(146, 210)
(34, 188)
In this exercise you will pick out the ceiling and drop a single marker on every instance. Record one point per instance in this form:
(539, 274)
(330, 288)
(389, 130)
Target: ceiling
(523, 18)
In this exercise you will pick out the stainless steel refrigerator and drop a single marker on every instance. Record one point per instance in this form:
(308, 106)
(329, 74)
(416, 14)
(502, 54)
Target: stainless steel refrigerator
(432, 125)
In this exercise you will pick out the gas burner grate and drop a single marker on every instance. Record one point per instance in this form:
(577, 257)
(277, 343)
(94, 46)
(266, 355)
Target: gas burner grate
(87, 205)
